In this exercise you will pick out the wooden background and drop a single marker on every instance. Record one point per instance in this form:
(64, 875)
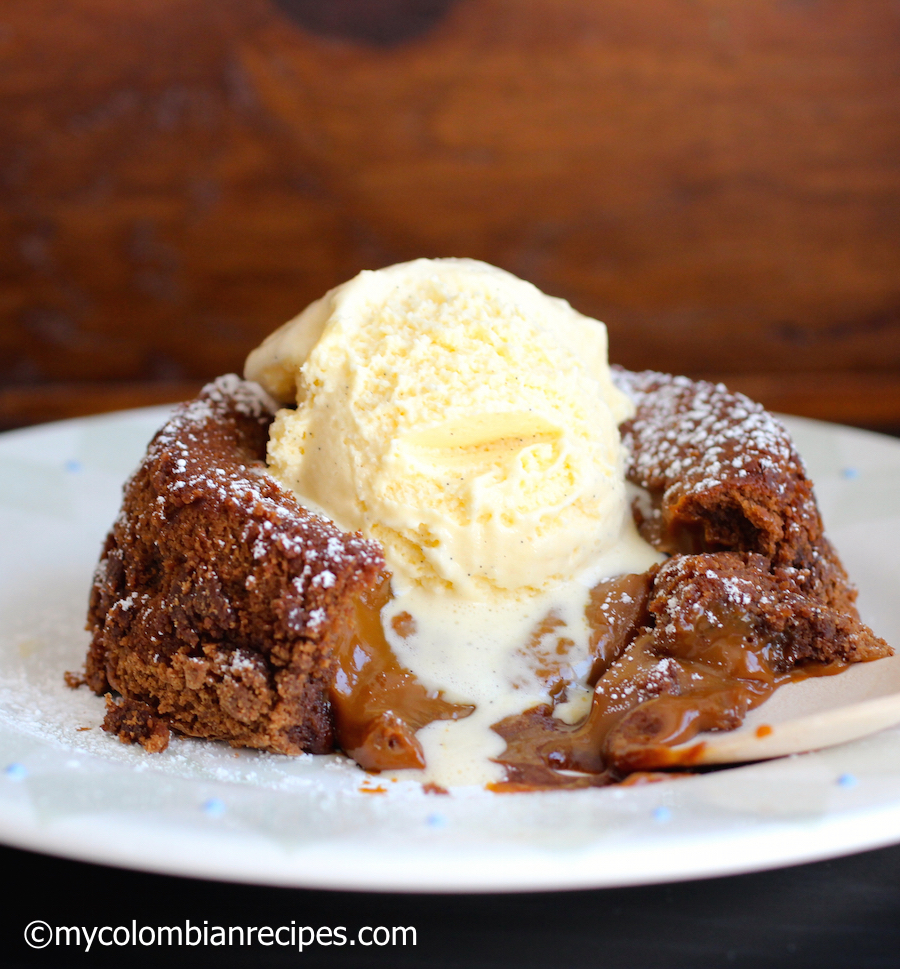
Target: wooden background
(717, 180)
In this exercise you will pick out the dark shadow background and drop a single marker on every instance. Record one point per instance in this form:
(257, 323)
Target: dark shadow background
(842, 913)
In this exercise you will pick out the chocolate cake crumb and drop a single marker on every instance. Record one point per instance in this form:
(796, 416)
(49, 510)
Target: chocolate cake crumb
(135, 722)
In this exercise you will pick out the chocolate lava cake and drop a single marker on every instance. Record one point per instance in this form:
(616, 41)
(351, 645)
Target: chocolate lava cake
(223, 609)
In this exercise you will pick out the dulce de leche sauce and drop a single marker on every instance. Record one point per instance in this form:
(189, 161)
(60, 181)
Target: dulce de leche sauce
(644, 701)
(378, 705)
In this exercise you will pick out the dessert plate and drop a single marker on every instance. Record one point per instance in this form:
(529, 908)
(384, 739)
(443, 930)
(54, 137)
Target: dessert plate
(203, 809)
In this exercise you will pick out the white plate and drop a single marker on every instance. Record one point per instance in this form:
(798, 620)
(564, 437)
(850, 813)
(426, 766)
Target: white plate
(203, 809)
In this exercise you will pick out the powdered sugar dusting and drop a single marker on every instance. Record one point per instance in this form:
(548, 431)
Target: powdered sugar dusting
(245, 396)
(702, 435)
(277, 521)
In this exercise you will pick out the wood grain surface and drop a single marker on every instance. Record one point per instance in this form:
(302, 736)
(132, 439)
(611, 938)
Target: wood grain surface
(718, 181)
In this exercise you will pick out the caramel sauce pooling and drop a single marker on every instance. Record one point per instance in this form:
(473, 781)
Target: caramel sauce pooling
(647, 699)
(379, 705)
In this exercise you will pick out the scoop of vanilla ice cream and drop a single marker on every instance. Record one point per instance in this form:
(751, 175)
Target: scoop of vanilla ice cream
(459, 416)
